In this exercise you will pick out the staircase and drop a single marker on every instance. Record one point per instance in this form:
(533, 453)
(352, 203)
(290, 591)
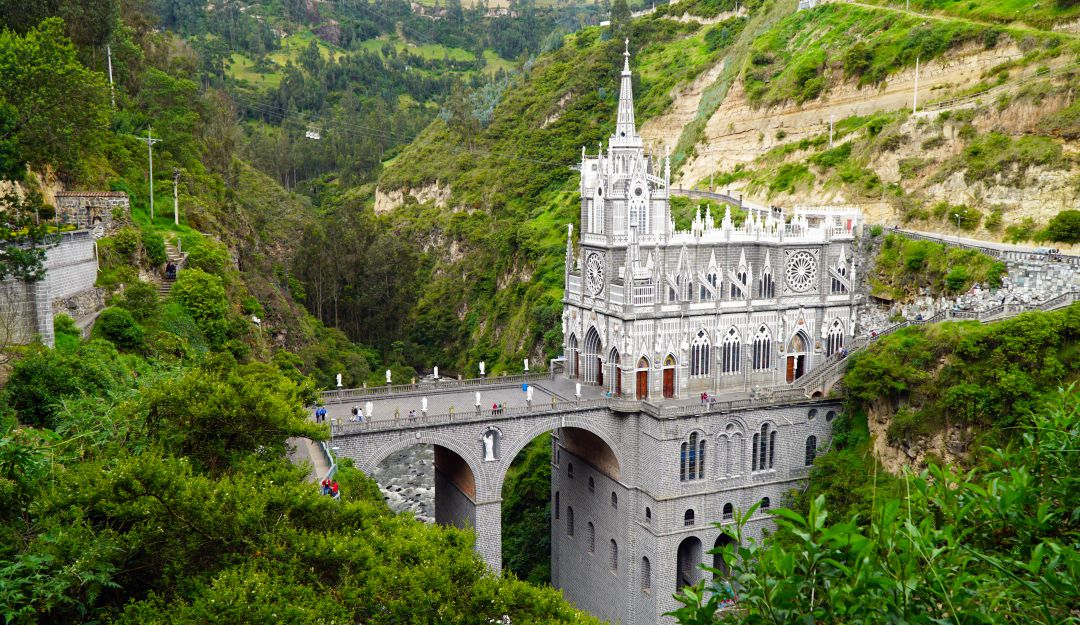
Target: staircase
(177, 258)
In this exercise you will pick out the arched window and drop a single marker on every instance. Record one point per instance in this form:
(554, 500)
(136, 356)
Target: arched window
(766, 286)
(754, 452)
(593, 373)
(762, 356)
(592, 537)
(569, 520)
(830, 415)
(700, 355)
(764, 446)
(810, 416)
(772, 448)
(614, 500)
(835, 341)
(730, 353)
(688, 518)
(811, 450)
(729, 512)
(646, 574)
(838, 285)
(614, 556)
(648, 515)
(764, 503)
(572, 355)
(692, 458)
(570, 470)
(556, 505)
(592, 485)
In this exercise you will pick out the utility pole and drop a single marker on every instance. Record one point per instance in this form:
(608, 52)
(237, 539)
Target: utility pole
(915, 97)
(150, 141)
(175, 196)
(112, 90)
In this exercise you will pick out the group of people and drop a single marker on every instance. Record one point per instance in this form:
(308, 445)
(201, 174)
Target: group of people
(320, 414)
(330, 487)
(707, 399)
(357, 414)
(497, 409)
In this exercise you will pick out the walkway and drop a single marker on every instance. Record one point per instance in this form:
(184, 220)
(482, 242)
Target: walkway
(990, 248)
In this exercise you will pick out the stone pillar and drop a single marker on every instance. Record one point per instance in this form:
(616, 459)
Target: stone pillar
(489, 533)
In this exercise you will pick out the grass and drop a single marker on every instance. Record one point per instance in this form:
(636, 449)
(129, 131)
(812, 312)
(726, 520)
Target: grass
(243, 68)
(431, 51)
(1043, 14)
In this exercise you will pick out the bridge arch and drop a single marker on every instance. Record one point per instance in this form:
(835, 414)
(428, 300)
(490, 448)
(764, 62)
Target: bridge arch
(422, 438)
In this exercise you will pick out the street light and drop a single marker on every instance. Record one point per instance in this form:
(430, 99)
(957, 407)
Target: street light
(958, 218)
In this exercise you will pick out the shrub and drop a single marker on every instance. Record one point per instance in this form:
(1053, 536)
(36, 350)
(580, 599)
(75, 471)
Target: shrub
(1064, 227)
(141, 300)
(933, 142)
(154, 246)
(875, 231)
(63, 324)
(118, 326)
(957, 278)
(993, 220)
(832, 157)
(126, 242)
(203, 296)
(209, 256)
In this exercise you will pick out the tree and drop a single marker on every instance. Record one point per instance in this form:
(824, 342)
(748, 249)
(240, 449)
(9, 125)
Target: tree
(1064, 227)
(203, 296)
(117, 325)
(621, 20)
(60, 107)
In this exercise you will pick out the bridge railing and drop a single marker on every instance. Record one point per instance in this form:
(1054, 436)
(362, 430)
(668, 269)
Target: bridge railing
(342, 395)
(1003, 252)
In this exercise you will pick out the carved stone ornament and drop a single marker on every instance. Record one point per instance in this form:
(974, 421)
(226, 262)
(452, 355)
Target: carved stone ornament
(801, 271)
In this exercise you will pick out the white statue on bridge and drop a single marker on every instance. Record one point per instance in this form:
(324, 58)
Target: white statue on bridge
(482, 368)
(387, 377)
(489, 446)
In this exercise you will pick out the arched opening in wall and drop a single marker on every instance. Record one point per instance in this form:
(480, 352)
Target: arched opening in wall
(797, 354)
(594, 370)
(572, 356)
(529, 524)
(616, 372)
(669, 376)
(431, 482)
(687, 571)
(642, 378)
(720, 554)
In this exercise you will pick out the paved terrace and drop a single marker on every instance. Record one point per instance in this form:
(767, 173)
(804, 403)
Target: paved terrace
(390, 406)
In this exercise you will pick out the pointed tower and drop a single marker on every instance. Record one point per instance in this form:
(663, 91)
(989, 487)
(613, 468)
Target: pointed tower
(626, 134)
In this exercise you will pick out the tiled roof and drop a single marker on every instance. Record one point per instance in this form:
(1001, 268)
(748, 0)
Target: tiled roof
(90, 194)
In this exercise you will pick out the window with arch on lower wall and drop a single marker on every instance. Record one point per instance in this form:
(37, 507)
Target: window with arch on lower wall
(692, 458)
(592, 537)
(614, 556)
(570, 470)
(646, 574)
(830, 415)
(614, 500)
(556, 505)
(763, 450)
(765, 503)
(592, 485)
(688, 518)
(700, 355)
(729, 362)
(811, 450)
(729, 512)
(569, 521)
(648, 514)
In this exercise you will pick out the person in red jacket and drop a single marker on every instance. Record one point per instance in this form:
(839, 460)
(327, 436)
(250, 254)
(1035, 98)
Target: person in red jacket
(334, 489)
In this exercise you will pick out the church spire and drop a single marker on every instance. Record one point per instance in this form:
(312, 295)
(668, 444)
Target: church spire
(624, 125)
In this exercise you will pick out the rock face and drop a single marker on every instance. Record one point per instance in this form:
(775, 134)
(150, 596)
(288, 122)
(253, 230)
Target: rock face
(387, 201)
(407, 481)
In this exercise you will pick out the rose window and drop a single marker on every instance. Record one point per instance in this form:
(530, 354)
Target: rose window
(801, 271)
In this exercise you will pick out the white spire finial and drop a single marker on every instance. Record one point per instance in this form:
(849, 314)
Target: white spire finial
(626, 57)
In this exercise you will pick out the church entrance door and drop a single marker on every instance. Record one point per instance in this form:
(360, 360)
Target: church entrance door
(643, 378)
(599, 371)
(796, 360)
(618, 381)
(669, 383)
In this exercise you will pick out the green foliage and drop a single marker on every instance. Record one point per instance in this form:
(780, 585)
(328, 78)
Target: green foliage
(995, 154)
(119, 326)
(56, 108)
(789, 176)
(1064, 227)
(832, 157)
(526, 513)
(904, 266)
(980, 546)
(969, 373)
(22, 239)
(153, 244)
(141, 300)
(724, 34)
(203, 297)
(44, 378)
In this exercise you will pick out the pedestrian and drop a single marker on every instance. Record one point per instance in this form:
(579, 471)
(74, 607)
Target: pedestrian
(359, 414)
(355, 413)
(326, 486)
(412, 413)
(334, 489)
(494, 409)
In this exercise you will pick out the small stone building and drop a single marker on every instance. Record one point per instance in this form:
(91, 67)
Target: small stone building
(92, 210)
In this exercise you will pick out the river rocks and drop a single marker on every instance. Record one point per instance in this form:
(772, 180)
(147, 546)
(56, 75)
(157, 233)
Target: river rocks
(407, 482)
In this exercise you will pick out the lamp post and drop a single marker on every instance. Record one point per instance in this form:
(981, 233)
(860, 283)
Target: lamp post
(150, 141)
(958, 217)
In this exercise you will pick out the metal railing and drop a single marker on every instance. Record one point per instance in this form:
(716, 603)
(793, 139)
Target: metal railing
(442, 384)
